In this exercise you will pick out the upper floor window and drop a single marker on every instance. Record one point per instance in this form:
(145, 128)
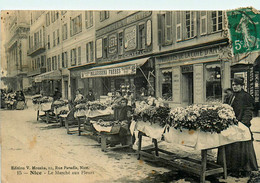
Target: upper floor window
(104, 15)
(90, 52)
(49, 64)
(64, 31)
(48, 19)
(120, 43)
(58, 36)
(203, 22)
(141, 41)
(54, 38)
(76, 25)
(217, 20)
(49, 44)
(73, 57)
(165, 28)
(79, 55)
(178, 26)
(64, 59)
(89, 18)
(105, 48)
(190, 24)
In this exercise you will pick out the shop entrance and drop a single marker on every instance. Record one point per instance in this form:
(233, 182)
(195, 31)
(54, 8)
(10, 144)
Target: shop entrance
(187, 88)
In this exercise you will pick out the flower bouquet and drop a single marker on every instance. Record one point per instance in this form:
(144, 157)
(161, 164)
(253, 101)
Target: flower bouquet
(207, 118)
(153, 111)
(96, 105)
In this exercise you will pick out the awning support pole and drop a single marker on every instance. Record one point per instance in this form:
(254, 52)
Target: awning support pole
(145, 77)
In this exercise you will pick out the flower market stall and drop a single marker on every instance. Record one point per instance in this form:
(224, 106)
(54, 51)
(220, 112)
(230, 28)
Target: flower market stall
(201, 127)
(43, 106)
(61, 110)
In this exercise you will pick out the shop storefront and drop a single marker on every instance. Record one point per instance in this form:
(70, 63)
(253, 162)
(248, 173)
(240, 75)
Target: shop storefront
(135, 77)
(49, 81)
(249, 68)
(193, 76)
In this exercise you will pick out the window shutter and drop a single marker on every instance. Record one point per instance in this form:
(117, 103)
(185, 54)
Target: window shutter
(91, 18)
(203, 22)
(160, 30)
(168, 28)
(194, 23)
(178, 27)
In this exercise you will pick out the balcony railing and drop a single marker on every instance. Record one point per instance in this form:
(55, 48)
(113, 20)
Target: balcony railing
(36, 71)
(36, 49)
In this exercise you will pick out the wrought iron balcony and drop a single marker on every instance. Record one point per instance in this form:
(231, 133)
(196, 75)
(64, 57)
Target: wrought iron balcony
(36, 49)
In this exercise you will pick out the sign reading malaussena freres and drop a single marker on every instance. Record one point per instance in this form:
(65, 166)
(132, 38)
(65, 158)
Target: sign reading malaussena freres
(244, 27)
(116, 71)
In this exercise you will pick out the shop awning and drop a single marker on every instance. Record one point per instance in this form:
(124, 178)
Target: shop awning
(118, 69)
(51, 75)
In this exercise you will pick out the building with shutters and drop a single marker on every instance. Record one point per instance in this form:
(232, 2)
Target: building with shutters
(16, 30)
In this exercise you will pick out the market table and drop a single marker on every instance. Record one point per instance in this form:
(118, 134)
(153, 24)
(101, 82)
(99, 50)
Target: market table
(108, 132)
(202, 141)
(47, 111)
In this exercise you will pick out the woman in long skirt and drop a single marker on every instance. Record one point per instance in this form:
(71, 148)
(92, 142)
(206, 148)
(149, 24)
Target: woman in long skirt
(240, 156)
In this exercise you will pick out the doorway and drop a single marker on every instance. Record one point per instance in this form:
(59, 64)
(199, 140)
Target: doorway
(187, 88)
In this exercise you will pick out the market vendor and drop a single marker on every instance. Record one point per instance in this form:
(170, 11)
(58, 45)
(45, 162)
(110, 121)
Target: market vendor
(20, 100)
(116, 104)
(78, 97)
(125, 114)
(240, 156)
(90, 96)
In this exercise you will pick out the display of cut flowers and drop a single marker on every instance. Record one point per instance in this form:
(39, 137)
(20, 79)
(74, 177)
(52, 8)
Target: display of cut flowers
(207, 118)
(36, 99)
(81, 106)
(60, 103)
(45, 99)
(153, 111)
(96, 105)
(103, 123)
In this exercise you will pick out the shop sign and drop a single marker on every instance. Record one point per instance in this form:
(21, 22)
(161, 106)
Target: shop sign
(191, 54)
(244, 28)
(187, 68)
(130, 38)
(124, 22)
(148, 32)
(117, 71)
(176, 84)
(99, 48)
(112, 44)
(198, 83)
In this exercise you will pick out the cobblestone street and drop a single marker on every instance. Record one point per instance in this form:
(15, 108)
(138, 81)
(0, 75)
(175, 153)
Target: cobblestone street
(46, 150)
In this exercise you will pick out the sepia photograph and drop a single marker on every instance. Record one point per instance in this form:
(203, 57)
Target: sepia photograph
(130, 95)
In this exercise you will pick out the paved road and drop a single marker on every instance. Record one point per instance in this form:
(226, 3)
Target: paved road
(27, 142)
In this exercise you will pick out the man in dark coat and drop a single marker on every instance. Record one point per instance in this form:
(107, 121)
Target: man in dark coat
(240, 156)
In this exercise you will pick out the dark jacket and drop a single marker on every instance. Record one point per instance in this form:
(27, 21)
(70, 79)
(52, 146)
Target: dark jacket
(123, 113)
(243, 105)
(90, 97)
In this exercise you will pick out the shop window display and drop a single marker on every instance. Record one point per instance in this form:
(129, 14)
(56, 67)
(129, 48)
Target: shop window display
(213, 83)
(167, 86)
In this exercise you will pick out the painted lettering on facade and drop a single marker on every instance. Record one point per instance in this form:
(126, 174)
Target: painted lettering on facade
(191, 54)
(118, 71)
(130, 38)
(126, 21)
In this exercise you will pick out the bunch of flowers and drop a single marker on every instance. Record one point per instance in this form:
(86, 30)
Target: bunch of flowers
(45, 99)
(207, 118)
(81, 106)
(152, 110)
(96, 105)
(60, 103)
(36, 99)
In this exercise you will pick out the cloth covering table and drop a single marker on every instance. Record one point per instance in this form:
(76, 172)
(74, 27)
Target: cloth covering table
(198, 140)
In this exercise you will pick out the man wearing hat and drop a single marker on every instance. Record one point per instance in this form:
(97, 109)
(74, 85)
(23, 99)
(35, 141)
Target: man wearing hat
(240, 156)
